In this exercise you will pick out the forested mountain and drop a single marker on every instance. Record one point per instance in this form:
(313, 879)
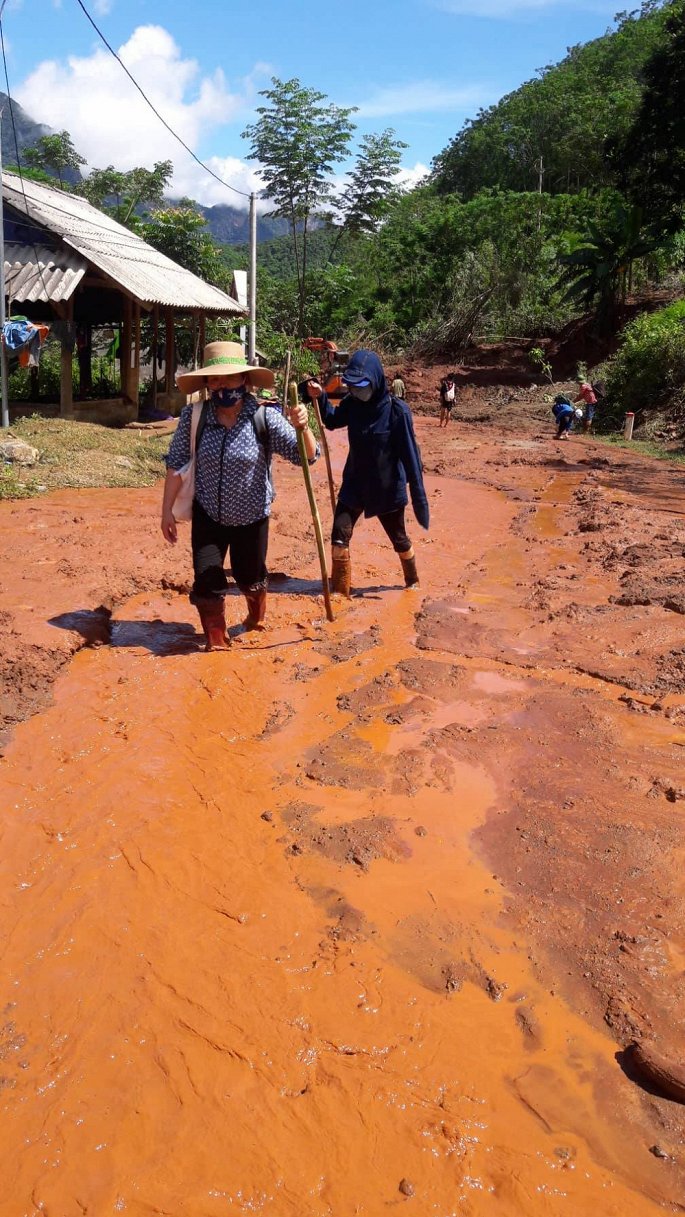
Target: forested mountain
(276, 256)
(555, 130)
(28, 131)
(229, 226)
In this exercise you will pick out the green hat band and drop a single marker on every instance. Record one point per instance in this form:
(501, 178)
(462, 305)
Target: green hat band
(211, 363)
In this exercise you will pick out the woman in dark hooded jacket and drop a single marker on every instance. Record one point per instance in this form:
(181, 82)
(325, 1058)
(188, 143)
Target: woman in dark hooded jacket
(383, 461)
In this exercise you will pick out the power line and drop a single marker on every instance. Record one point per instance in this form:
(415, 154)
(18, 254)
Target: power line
(146, 99)
(16, 148)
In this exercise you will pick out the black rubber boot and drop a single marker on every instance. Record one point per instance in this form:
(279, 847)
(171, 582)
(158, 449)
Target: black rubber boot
(408, 560)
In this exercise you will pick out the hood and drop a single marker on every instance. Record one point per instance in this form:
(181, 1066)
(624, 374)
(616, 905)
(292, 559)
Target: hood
(365, 365)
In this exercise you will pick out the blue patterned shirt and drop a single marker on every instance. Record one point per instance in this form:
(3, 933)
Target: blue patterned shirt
(232, 480)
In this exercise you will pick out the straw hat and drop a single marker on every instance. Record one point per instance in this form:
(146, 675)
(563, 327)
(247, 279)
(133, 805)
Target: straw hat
(224, 359)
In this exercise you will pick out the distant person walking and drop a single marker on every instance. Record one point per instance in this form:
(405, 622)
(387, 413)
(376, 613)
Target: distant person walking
(448, 395)
(399, 389)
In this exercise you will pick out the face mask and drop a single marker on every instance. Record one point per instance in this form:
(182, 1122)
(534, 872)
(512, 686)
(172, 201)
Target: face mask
(364, 394)
(229, 397)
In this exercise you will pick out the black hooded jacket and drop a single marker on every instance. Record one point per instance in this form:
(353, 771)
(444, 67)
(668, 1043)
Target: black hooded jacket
(384, 457)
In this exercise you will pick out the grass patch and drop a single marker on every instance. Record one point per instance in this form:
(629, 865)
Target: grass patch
(11, 487)
(76, 455)
(646, 447)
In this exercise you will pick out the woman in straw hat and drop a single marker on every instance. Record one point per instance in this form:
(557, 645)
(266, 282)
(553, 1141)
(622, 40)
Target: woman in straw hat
(233, 490)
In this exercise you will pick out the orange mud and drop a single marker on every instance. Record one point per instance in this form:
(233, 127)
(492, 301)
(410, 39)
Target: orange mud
(356, 916)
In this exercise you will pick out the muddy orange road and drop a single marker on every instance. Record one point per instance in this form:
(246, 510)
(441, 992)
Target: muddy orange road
(257, 956)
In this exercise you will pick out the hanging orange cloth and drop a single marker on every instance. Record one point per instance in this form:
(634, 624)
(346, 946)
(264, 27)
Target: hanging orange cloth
(30, 354)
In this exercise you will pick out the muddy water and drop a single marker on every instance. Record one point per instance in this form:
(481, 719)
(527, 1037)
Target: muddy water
(251, 961)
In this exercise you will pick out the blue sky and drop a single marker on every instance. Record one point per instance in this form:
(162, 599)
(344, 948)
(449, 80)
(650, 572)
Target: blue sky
(420, 66)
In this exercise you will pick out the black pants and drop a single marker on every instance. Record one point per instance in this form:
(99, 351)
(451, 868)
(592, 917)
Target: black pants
(393, 522)
(247, 545)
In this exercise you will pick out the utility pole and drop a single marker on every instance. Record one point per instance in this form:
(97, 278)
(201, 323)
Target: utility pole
(541, 175)
(252, 297)
(3, 318)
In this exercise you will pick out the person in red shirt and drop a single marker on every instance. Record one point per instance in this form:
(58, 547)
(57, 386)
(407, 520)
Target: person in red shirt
(588, 399)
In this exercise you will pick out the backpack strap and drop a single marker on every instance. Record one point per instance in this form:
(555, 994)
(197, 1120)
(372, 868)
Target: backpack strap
(198, 424)
(260, 425)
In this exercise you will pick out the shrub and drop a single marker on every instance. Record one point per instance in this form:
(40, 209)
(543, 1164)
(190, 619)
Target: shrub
(648, 371)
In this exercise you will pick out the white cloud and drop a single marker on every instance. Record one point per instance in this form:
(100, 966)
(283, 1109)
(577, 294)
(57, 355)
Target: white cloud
(191, 180)
(504, 9)
(421, 96)
(411, 176)
(110, 123)
(102, 7)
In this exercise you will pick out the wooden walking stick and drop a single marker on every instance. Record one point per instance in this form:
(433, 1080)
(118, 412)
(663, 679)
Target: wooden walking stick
(326, 453)
(286, 382)
(292, 401)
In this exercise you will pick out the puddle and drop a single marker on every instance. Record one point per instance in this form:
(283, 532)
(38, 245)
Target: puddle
(494, 683)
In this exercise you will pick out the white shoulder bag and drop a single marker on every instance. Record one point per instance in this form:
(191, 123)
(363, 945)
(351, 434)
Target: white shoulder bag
(183, 503)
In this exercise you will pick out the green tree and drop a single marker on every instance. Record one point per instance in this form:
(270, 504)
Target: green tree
(54, 153)
(650, 161)
(297, 139)
(372, 186)
(598, 270)
(181, 233)
(123, 193)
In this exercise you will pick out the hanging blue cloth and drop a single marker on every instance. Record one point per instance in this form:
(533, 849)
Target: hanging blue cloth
(17, 334)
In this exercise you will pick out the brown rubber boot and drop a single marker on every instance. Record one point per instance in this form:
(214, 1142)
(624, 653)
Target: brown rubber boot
(213, 618)
(408, 560)
(256, 610)
(341, 571)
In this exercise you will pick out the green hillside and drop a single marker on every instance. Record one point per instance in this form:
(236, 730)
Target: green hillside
(558, 126)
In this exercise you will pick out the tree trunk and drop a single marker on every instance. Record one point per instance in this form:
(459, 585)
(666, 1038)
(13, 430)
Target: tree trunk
(303, 294)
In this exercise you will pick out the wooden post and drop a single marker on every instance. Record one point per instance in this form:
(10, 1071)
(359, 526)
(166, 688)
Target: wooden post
(169, 355)
(66, 388)
(135, 378)
(628, 426)
(155, 333)
(125, 349)
(286, 382)
(85, 360)
(203, 337)
(196, 340)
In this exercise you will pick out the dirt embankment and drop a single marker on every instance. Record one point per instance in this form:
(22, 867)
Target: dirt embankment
(363, 914)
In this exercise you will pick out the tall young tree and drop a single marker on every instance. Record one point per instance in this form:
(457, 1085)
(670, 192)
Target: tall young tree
(372, 185)
(297, 139)
(54, 153)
